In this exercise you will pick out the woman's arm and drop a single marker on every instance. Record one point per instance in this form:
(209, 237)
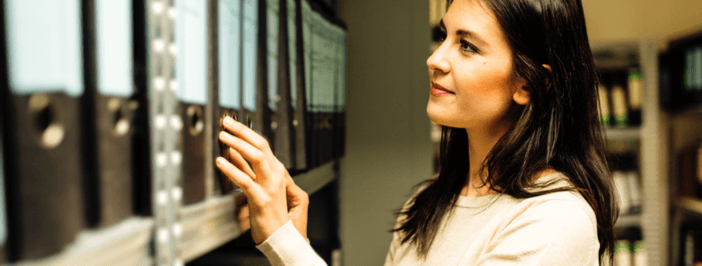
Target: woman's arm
(276, 204)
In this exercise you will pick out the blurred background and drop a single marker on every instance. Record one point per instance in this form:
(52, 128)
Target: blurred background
(111, 110)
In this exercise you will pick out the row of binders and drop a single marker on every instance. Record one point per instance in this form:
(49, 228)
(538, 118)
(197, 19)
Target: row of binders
(629, 249)
(621, 97)
(628, 184)
(78, 118)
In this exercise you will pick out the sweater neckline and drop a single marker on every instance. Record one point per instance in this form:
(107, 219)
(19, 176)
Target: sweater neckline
(484, 201)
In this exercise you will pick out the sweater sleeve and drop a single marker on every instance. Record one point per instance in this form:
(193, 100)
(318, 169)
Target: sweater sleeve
(555, 232)
(287, 247)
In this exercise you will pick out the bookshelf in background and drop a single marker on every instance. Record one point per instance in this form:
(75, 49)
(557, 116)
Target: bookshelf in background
(635, 132)
(681, 96)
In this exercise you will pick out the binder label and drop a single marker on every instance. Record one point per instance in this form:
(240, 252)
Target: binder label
(44, 46)
(114, 47)
(191, 42)
(250, 49)
(230, 53)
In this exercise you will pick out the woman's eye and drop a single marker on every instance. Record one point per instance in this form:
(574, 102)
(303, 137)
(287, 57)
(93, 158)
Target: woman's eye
(468, 47)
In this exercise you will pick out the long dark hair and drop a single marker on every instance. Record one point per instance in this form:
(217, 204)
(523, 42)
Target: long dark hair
(557, 129)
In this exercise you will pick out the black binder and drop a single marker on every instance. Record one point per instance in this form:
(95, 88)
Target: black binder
(310, 121)
(141, 141)
(229, 74)
(340, 91)
(254, 65)
(298, 83)
(285, 132)
(322, 84)
(107, 111)
(42, 135)
(192, 75)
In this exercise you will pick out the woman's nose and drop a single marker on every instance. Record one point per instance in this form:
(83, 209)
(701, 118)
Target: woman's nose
(437, 61)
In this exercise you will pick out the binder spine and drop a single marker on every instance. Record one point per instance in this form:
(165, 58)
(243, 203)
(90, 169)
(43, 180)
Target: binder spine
(42, 126)
(285, 134)
(300, 116)
(191, 69)
(228, 34)
(107, 119)
(260, 118)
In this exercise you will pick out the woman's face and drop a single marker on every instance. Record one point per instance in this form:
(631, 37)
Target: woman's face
(471, 72)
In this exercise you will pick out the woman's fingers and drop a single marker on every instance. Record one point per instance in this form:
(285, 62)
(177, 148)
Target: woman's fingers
(245, 133)
(258, 159)
(241, 163)
(241, 179)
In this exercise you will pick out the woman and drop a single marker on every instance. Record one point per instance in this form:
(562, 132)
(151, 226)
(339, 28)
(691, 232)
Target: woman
(523, 179)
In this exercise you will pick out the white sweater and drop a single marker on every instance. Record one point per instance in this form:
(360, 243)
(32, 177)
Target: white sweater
(554, 229)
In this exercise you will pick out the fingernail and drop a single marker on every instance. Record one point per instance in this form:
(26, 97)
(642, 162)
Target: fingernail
(228, 120)
(220, 160)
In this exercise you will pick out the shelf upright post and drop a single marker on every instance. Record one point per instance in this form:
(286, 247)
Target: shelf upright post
(164, 130)
(654, 172)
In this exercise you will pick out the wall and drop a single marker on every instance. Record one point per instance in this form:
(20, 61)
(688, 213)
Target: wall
(388, 143)
(660, 20)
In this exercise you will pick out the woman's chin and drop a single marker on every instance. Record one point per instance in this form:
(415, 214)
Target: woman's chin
(439, 116)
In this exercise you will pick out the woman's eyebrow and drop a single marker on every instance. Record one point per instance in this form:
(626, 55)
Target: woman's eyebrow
(466, 34)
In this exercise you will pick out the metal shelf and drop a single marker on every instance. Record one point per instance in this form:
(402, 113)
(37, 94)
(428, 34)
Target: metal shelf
(629, 220)
(126, 243)
(316, 178)
(210, 224)
(207, 225)
(623, 133)
(690, 205)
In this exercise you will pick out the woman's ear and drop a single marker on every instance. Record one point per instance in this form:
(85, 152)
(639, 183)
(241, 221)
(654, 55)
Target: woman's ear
(521, 96)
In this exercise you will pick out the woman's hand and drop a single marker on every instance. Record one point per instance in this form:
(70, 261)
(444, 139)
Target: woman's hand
(272, 196)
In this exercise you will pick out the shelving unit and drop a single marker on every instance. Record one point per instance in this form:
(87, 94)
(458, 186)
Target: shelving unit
(202, 228)
(649, 141)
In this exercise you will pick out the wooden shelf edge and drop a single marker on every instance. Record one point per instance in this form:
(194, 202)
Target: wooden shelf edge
(628, 220)
(316, 178)
(689, 204)
(207, 225)
(126, 243)
(613, 133)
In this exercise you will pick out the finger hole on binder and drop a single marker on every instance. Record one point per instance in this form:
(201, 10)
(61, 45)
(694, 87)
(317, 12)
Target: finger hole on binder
(46, 120)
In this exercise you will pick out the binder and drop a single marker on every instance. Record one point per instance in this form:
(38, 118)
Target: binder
(323, 69)
(253, 64)
(141, 132)
(272, 19)
(307, 53)
(191, 74)
(340, 93)
(285, 133)
(106, 105)
(42, 128)
(229, 43)
(297, 81)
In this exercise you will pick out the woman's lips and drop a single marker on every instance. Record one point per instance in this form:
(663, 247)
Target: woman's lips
(438, 90)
